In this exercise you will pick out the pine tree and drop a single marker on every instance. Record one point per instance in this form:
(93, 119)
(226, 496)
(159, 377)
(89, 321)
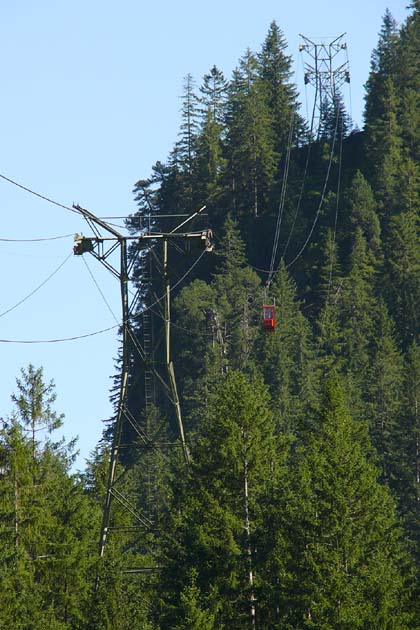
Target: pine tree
(357, 307)
(192, 615)
(21, 599)
(408, 62)
(189, 126)
(331, 283)
(334, 123)
(234, 312)
(383, 152)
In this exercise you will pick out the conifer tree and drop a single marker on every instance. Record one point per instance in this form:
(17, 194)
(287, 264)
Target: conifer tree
(250, 141)
(361, 206)
(384, 394)
(357, 307)
(232, 312)
(335, 123)
(210, 149)
(34, 402)
(345, 566)
(408, 452)
(331, 283)
(403, 265)
(216, 513)
(189, 126)
(276, 72)
(384, 148)
(21, 599)
(183, 158)
(46, 520)
(285, 355)
(383, 65)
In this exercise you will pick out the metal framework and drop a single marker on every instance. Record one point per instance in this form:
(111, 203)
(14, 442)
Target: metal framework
(102, 247)
(326, 70)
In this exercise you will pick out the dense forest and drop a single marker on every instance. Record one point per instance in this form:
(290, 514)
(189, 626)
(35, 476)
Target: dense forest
(299, 506)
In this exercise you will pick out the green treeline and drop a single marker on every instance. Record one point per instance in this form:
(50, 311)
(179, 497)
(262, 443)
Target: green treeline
(301, 504)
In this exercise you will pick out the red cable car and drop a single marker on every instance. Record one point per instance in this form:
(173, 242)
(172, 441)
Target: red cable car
(269, 316)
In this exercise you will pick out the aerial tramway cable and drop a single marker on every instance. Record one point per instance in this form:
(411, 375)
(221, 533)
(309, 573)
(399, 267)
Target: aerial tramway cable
(100, 291)
(36, 194)
(103, 330)
(43, 283)
(282, 198)
(331, 253)
(35, 240)
(305, 172)
(324, 190)
(271, 271)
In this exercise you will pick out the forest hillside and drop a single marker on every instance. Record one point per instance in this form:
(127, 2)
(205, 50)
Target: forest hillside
(295, 500)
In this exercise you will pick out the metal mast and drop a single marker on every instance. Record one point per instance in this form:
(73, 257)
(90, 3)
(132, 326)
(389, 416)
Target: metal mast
(102, 247)
(327, 70)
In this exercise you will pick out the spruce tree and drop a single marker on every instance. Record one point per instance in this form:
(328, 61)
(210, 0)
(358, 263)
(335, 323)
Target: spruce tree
(403, 284)
(409, 451)
(216, 513)
(357, 307)
(285, 355)
(210, 145)
(360, 204)
(276, 72)
(384, 398)
(34, 402)
(345, 565)
(250, 140)
(46, 521)
(383, 65)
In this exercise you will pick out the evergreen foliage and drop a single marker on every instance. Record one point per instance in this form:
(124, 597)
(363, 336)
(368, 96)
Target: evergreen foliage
(300, 507)
(344, 559)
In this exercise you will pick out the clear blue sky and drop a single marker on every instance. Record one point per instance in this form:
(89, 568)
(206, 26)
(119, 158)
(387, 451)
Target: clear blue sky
(90, 101)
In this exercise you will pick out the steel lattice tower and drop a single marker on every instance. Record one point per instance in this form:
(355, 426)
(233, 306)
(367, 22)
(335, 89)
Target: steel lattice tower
(138, 527)
(327, 69)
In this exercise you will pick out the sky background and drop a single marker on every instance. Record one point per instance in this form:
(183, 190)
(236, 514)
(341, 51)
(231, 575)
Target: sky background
(90, 101)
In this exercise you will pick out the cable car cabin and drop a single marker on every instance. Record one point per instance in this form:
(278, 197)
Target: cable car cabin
(269, 316)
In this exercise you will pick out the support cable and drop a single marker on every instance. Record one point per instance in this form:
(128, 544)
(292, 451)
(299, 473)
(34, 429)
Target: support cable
(302, 188)
(324, 190)
(34, 240)
(36, 194)
(174, 286)
(43, 283)
(60, 340)
(100, 291)
(283, 192)
(349, 84)
(282, 198)
(330, 274)
(103, 330)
